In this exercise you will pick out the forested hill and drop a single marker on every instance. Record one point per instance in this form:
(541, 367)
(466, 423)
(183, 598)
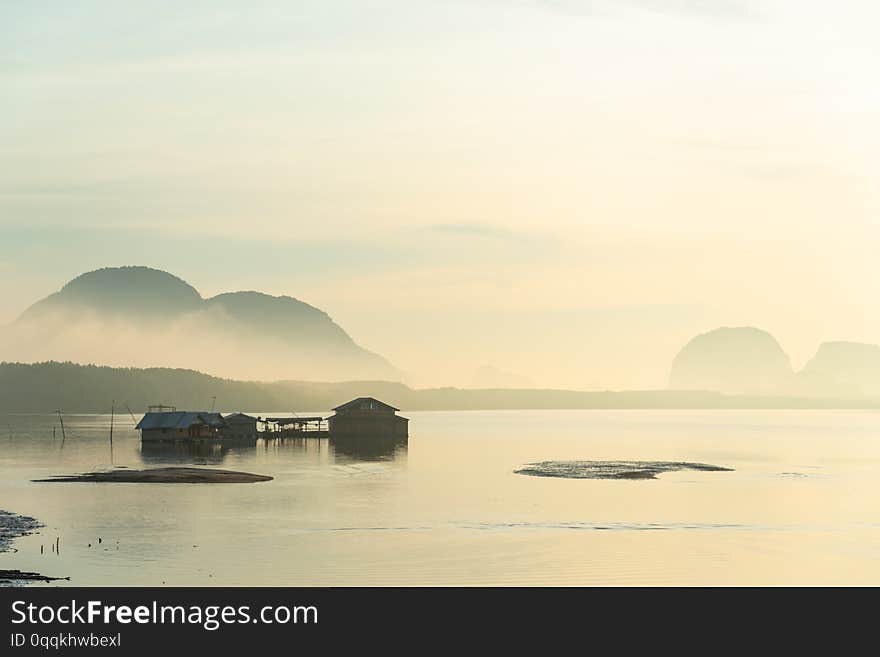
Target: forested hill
(89, 388)
(46, 387)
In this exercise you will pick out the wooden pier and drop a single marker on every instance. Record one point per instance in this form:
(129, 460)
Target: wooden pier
(303, 427)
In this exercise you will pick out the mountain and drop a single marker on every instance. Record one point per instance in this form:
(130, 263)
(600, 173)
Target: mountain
(136, 293)
(281, 318)
(137, 316)
(842, 369)
(740, 360)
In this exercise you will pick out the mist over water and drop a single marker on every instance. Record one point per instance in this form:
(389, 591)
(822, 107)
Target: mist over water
(203, 341)
(797, 508)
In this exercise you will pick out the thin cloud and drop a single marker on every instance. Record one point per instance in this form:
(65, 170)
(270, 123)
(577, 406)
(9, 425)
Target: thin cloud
(712, 9)
(471, 229)
(700, 9)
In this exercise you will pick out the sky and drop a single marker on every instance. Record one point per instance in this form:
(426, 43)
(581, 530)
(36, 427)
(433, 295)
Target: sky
(565, 190)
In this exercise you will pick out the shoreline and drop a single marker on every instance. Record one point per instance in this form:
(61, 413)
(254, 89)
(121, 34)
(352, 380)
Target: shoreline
(13, 526)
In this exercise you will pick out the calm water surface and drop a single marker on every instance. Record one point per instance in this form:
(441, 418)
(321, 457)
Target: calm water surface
(801, 507)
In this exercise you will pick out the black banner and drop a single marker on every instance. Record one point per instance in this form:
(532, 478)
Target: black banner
(142, 620)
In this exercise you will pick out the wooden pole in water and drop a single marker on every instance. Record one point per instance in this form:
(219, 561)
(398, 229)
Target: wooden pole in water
(112, 411)
(63, 436)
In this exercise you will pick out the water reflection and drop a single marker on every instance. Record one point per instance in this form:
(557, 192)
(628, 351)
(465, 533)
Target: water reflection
(370, 449)
(201, 452)
(215, 452)
(295, 446)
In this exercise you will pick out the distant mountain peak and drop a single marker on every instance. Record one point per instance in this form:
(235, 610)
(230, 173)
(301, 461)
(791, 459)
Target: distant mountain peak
(135, 275)
(254, 297)
(843, 368)
(139, 292)
(736, 360)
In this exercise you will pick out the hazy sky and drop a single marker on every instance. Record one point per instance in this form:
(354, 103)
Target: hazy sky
(566, 189)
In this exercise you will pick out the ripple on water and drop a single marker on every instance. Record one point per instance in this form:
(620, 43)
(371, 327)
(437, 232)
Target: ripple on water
(612, 469)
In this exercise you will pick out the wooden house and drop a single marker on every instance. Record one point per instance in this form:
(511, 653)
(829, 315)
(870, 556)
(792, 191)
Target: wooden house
(181, 425)
(240, 425)
(367, 417)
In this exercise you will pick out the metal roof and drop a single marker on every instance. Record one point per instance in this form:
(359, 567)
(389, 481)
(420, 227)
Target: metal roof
(179, 420)
(293, 420)
(365, 399)
(240, 418)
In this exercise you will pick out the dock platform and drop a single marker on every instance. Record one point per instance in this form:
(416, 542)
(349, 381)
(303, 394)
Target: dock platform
(305, 427)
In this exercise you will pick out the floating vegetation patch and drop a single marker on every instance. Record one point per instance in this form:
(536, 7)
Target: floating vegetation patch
(12, 526)
(612, 469)
(163, 476)
(18, 577)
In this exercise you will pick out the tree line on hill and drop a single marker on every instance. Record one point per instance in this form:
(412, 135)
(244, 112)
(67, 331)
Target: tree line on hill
(73, 388)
